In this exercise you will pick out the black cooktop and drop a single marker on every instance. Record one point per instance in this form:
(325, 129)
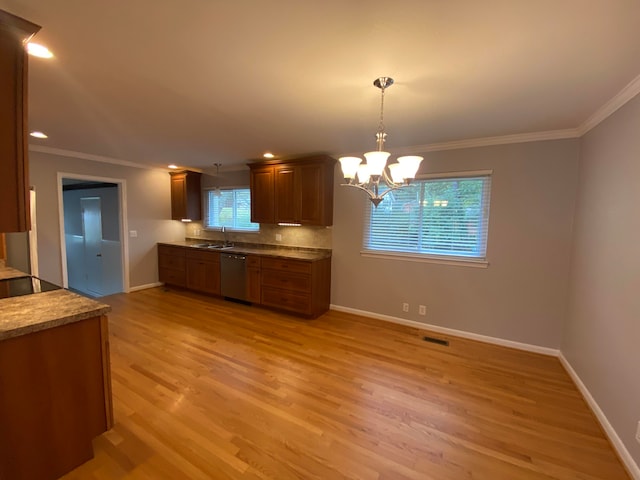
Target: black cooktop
(14, 287)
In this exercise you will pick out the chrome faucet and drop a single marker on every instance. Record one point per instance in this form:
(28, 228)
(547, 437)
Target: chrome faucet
(224, 236)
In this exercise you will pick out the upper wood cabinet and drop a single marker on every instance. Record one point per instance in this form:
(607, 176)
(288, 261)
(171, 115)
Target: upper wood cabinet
(14, 188)
(293, 191)
(186, 201)
(262, 190)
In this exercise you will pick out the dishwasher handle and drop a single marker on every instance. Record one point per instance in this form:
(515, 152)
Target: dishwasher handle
(231, 256)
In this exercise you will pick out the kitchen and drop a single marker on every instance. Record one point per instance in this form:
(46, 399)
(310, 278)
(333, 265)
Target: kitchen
(538, 188)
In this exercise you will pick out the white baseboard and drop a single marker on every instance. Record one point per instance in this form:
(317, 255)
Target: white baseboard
(144, 287)
(450, 331)
(625, 456)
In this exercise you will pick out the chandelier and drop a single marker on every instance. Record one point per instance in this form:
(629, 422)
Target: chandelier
(367, 176)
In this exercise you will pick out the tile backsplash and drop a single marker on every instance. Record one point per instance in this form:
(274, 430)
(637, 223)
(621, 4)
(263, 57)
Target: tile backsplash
(307, 237)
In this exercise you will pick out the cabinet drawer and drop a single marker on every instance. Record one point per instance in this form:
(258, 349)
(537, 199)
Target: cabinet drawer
(204, 255)
(169, 250)
(172, 277)
(286, 280)
(171, 262)
(253, 261)
(283, 264)
(297, 302)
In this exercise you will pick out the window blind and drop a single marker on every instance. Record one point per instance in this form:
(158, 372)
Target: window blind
(434, 217)
(229, 208)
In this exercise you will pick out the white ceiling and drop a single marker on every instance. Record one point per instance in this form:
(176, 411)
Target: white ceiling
(197, 82)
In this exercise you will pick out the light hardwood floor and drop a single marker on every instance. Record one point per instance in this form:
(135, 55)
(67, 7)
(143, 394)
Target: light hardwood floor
(208, 389)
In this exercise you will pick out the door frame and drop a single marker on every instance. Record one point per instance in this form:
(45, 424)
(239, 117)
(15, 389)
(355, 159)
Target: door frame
(122, 213)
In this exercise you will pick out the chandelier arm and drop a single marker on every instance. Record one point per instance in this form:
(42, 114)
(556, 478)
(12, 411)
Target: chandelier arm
(364, 189)
(387, 179)
(390, 189)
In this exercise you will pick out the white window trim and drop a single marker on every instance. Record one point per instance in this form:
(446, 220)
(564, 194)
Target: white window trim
(408, 257)
(436, 259)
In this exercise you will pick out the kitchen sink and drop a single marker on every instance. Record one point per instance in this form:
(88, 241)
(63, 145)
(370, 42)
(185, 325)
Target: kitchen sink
(214, 246)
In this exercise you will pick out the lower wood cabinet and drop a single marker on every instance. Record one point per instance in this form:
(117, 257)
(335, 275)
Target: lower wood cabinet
(203, 271)
(55, 398)
(172, 265)
(297, 286)
(254, 273)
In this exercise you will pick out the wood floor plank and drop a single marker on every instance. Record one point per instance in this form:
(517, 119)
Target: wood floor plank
(208, 389)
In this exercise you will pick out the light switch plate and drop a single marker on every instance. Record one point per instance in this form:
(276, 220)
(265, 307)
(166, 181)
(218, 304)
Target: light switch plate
(133, 233)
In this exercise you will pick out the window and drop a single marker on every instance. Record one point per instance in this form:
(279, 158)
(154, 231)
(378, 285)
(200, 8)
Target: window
(443, 217)
(229, 208)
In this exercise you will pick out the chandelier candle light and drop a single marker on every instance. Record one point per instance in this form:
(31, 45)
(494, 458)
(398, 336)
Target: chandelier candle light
(367, 176)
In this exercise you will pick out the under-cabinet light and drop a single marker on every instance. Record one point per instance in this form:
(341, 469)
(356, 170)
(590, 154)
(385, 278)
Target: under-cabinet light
(38, 50)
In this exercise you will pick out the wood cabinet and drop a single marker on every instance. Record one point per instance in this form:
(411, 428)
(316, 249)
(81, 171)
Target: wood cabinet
(299, 286)
(203, 271)
(293, 191)
(14, 188)
(56, 398)
(254, 266)
(172, 265)
(262, 194)
(186, 195)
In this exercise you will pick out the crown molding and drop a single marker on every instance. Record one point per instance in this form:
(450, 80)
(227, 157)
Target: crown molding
(623, 96)
(499, 140)
(87, 156)
(484, 142)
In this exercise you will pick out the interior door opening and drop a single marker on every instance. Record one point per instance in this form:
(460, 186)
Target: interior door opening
(93, 236)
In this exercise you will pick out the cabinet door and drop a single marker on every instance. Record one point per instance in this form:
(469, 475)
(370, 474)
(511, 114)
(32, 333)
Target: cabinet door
(14, 189)
(186, 202)
(203, 276)
(287, 194)
(313, 199)
(262, 190)
(253, 279)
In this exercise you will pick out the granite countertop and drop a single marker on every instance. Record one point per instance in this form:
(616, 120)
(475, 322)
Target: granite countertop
(258, 249)
(40, 311)
(8, 272)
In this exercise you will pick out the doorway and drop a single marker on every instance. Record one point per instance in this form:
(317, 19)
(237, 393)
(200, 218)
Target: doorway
(93, 244)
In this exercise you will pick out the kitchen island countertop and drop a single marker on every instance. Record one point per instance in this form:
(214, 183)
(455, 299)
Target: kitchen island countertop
(39, 311)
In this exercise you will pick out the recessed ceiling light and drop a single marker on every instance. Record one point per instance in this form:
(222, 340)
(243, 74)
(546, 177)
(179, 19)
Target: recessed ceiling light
(268, 155)
(39, 135)
(38, 50)
(173, 166)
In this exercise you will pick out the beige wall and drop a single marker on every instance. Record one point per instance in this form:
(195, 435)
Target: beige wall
(522, 294)
(602, 331)
(148, 212)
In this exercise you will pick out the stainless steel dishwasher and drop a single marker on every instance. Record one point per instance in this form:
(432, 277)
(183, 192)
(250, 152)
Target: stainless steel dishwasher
(233, 276)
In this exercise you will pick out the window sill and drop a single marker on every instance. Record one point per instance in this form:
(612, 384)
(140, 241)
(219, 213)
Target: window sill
(409, 257)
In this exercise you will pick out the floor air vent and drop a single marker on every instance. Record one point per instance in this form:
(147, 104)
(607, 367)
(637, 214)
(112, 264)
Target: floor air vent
(439, 341)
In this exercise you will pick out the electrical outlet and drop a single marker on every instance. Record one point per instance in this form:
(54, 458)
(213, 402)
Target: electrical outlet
(405, 307)
(422, 310)
(638, 433)
(278, 237)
